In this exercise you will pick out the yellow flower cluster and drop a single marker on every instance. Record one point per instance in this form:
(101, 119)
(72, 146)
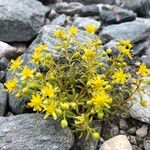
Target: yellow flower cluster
(82, 88)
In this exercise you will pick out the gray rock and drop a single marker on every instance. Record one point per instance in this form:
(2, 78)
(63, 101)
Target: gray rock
(31, 131)
(87, 2)
(112, 14)
(82, 22)
(110, 130)
(135, 147)
(147, 144)
(132, 139)
(146, 60)
(131, 130)
(7, 50)
(18, 106)
(135, 31)
(137, 111)
(3, 100)
(90, 144)
(69, 8)
(3, 63)
(142, 131)
(141, 7)
(89, 10)
(21, 20)
(60, 20)
(45, 36)
(2, 76)
(123, 124)
(119, 142)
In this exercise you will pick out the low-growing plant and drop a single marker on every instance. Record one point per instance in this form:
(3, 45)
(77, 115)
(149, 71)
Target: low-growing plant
(87, 83)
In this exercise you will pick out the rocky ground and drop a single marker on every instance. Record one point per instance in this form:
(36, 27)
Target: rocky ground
(26, 23)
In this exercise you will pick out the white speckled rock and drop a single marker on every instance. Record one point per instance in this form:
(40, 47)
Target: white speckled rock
(119, 142)
(139, 112)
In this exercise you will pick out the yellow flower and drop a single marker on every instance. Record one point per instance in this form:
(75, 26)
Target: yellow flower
(120, 76)
(36, 57)
(41, 47)
(89, 53)
(15, 64)
(11, 84)
(73, 30)
(59, 33)
(97, 82)
(50, 110)
(90, 28)
(48, 91)
(143, 70)
(36, 102)
(80, 119)
(102, 99)
(27, 72)
(125, 47)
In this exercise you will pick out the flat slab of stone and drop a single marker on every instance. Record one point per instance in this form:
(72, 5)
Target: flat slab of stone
(32, 132)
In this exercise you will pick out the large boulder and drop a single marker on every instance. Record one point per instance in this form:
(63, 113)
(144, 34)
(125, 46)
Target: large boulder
(3, 100)
(31, 131)
(21, 20)
(112, 14)
(139, 112)
(135, 31)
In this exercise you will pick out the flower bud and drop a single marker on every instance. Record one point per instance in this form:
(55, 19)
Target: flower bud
(65, 106)
(109, 50)
(64, 123)
(100, 115)
(108, 87)
(39, 75)
(96, 136)
(59, 112)
(73, 105)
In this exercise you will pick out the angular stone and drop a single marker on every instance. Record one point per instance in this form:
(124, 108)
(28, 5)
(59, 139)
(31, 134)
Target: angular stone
(87, 2)
(89, 10)
(82, 22)
(141, 7)
(69, 8)
(147, 144)
(60, 20)
(135, 31)
(3, 100)
(31, 131)
(119, 142)
(6, 50)
(21, 20)
(4, 63)
(139, 112)
(142, 131)
(112, 14)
